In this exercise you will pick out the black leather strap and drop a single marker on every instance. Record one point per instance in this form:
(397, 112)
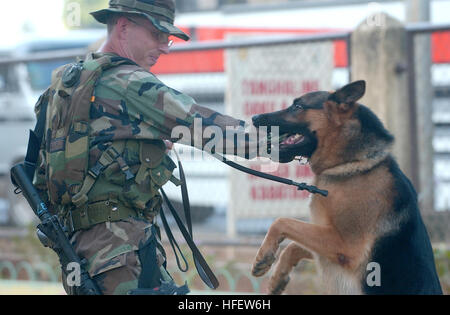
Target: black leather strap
(203, 269)
(173, 242)
(36, 137)
(300, 186)
(187, 211)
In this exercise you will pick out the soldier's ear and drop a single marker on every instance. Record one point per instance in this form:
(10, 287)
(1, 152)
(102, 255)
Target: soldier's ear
(121, 27)
(350, 93)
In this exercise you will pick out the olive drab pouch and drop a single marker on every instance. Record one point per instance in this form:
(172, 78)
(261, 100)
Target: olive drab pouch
(154, 171)
(67, 124)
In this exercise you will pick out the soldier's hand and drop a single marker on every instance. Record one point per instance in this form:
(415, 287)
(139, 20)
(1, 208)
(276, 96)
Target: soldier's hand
(169, 145)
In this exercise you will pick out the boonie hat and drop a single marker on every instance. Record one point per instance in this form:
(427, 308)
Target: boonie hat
(160, 12)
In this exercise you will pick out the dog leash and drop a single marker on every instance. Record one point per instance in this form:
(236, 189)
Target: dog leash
(300, 186)
(204, 271)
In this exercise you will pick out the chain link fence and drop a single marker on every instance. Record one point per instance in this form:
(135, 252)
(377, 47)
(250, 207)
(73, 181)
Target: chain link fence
(430, 97)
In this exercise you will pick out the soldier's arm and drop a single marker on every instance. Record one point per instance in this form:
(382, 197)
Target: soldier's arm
(170, 115)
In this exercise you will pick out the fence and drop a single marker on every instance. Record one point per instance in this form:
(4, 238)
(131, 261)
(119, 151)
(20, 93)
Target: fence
(429, 59)
(429, 90)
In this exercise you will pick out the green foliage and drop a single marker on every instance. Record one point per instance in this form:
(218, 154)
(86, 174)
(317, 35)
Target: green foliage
(76, 13)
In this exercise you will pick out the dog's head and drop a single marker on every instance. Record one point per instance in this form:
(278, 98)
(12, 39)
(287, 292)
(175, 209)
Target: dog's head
(321, 119)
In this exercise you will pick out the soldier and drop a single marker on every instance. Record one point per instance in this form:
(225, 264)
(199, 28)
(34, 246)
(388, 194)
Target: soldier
(103, 157)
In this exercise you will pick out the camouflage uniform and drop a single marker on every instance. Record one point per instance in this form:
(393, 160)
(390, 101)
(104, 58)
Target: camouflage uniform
(133, 111)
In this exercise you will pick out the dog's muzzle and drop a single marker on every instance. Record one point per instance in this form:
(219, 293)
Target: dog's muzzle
(256, 120)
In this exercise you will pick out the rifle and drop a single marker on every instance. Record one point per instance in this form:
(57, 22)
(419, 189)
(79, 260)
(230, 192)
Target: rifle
(50, 231)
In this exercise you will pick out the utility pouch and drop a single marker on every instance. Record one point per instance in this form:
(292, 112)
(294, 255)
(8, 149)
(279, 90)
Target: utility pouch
(155, 170)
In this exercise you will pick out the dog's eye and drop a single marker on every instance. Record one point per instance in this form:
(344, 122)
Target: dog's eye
(298, 106)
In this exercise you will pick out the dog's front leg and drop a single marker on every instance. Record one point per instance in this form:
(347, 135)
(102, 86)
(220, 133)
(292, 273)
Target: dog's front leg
(323, 240)
(288, 259)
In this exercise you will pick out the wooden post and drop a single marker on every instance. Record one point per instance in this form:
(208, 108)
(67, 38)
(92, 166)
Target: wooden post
(379, 53)
(419, 11)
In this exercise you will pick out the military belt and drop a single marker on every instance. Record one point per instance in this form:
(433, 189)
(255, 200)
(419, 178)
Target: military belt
(99, 212)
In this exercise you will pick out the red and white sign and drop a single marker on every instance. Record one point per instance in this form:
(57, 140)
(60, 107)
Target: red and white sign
(267, 79)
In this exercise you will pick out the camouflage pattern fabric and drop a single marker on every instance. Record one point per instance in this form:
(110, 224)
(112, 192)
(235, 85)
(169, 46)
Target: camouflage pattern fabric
(114, 261)
(132, 103)
(67, 125)
(134, 108)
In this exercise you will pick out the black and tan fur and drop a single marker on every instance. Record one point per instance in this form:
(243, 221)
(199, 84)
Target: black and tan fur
(371, 212)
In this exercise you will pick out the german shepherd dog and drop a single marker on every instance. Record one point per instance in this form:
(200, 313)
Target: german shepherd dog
(367, 236)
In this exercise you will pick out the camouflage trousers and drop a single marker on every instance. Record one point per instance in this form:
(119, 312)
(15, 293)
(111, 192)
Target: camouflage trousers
(119, 255)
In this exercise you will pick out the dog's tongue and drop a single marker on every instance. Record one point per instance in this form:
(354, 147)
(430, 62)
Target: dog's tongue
(295, 139)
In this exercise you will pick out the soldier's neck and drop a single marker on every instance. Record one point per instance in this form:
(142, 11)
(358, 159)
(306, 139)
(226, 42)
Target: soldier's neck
(116, 47)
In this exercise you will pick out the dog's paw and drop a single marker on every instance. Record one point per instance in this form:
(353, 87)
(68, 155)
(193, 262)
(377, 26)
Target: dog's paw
(261, 266)
(277, 285)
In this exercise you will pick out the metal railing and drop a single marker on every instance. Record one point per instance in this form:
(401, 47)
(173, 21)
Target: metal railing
(193, 46)
(45, 56)
(416, 61)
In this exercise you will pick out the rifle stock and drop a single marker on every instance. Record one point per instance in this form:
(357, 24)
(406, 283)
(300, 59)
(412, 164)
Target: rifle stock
(51, 228)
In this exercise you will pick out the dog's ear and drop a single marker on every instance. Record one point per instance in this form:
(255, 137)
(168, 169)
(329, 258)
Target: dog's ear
(342, 103)
(350, 93)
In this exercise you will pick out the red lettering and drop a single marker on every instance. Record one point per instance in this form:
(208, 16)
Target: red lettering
(255, 108)
(278, 87)
(268, 87)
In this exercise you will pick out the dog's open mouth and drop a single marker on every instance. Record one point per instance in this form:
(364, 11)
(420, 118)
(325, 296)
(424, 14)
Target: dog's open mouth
(288, 143)
(290, 140)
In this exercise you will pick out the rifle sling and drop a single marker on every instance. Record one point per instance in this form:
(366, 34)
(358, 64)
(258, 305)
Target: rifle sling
(35, 141)
(201, 265)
